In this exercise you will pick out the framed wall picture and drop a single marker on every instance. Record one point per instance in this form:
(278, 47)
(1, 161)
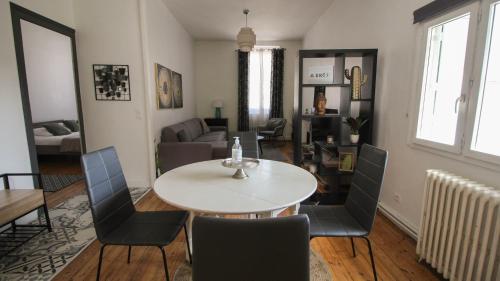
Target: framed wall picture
(164, 87)
(111, 82)
(177, 89)
(346, 161)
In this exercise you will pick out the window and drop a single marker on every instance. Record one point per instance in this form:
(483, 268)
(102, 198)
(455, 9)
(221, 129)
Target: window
(442, 80)
(459, 83)
(259, 98)
(486, 137)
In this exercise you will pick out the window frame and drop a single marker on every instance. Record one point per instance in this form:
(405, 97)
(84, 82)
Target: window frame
(480, 59)
(422, 46)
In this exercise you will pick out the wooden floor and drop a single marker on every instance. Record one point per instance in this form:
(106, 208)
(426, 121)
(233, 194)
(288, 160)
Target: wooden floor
(394, 251)
(60, 165)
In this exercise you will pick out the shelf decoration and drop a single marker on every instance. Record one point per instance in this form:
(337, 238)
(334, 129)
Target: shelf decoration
(355, 124)
(320, 104)
(320, 74)
(357, 80)
(346, 162)
(111, 82)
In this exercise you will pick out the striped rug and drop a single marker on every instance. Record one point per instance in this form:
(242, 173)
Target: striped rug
(53, 183)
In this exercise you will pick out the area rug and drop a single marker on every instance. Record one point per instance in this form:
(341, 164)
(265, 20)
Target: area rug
(319, 270)
(47, 253)
(53, 183)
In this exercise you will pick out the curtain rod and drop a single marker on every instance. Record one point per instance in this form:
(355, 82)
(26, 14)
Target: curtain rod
(284, 49)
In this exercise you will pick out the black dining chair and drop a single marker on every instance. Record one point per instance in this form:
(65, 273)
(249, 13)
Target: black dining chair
(116, 221)
(240, 249)
(355, 218)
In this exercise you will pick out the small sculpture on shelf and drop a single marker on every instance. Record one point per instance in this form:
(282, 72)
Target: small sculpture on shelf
(320, 104)
(357, 80)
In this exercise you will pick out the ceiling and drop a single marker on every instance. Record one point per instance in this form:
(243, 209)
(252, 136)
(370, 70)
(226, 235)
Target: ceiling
(270, 19)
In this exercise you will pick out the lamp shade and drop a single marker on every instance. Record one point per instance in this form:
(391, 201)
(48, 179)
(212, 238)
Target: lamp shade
(218, 104)
(246, 39)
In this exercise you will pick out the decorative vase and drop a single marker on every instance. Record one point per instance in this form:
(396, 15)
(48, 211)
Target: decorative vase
(218, 114)
(354, 138)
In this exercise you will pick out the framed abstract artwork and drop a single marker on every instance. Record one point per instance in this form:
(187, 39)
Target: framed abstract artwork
(177, 89)
(164, 87)
(168, 87)
(111, 82)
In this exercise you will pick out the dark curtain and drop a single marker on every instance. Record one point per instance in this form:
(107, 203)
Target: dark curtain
(277, 64)
(243, 123)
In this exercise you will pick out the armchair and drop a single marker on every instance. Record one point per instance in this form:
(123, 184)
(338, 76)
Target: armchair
(273, 129)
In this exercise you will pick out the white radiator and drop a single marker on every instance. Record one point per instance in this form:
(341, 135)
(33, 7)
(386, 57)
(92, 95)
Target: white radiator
(460, 228)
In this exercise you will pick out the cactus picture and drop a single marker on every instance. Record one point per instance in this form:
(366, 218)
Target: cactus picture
(356, 81)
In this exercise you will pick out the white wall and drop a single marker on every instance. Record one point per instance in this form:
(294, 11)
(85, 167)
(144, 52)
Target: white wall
(14, 146)
(49, 71)
(107, 32)
(166, 42)
(216, 76)
(387, 25)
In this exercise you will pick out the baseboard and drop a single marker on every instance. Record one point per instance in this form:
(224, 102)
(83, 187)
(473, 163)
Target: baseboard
(138, 183)
(400, 222)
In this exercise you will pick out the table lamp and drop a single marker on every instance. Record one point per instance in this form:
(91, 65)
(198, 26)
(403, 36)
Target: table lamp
(218, 104)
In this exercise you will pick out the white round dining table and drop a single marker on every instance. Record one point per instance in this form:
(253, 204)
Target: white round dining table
(207, 188)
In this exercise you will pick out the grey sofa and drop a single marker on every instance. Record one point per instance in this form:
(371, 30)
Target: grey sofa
(190, 141)
(193, 141)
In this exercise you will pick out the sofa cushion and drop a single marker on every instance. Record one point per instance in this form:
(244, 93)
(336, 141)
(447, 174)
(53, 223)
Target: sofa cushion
(205, 127)
(212, 136)
(193, 128)
(169, 134)
(182, 136)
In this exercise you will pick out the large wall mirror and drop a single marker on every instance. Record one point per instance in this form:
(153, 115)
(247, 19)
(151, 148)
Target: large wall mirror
(48, 79)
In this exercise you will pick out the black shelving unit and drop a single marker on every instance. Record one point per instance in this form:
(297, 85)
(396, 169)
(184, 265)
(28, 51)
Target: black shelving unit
(340, 91)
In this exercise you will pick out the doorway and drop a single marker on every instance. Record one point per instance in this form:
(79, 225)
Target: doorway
(50, 94)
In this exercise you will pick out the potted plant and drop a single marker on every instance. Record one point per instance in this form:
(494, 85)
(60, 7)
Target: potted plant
(355, 124)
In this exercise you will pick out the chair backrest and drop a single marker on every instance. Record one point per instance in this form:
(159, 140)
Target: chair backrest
(273, 123)
(109, 196)
(277, 125)
(366, 184)
(241, 249)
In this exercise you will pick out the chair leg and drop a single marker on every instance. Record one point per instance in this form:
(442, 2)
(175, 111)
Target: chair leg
(353, 247)
(129, 251)
(47, 219)
(187, 243)
(164, 262)
(101, 252)
(371, 258)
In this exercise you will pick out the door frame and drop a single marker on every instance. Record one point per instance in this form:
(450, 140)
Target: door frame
(19, 13)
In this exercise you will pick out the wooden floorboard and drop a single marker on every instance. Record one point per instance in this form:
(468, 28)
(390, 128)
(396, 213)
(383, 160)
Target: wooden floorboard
(394, 252)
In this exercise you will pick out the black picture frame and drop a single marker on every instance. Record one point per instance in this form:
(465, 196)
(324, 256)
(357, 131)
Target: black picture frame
(111, 82)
